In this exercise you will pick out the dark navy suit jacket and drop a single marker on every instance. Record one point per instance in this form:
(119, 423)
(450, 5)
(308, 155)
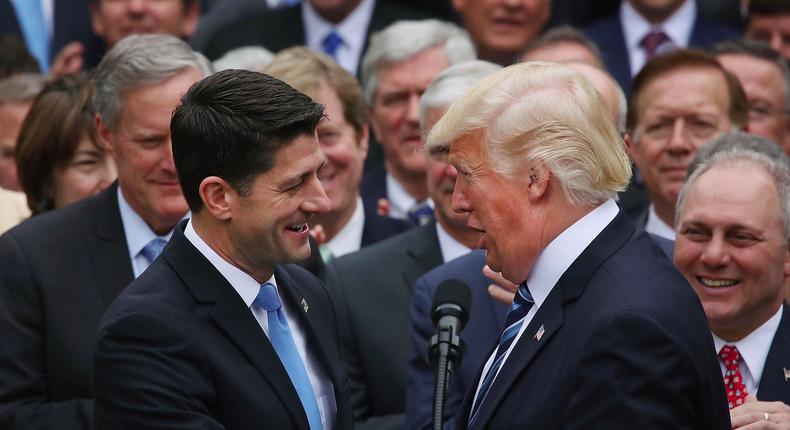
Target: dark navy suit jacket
(774, 383)
(623, 343)
(607, 33)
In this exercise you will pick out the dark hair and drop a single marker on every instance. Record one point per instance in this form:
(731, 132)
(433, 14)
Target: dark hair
(231, 124)
(14, 57)
(686, 59)
(564, 34)
(58, 119)
(769, 7)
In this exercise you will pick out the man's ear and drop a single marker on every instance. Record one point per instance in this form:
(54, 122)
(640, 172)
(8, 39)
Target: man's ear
(364, 140)
(217, 196)
(104, 134)
(538, 178)
(190, 19)
(97, 22)
(373, 127)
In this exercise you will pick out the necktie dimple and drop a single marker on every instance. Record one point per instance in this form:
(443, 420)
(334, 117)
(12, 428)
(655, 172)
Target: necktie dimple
(420, 213)
(652, 42)
(733, 380)
(331, 43)
(31, 21)
(283, 343)
(522, 303)
(152, 249)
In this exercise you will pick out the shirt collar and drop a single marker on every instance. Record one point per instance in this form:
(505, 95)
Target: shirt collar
(754, 347)
(677, 27)
(657, 226)
(349, 238)
(399, 199)
(317, 28)
(244, 284)
(451, 248)
(137, 232)
(561, 252)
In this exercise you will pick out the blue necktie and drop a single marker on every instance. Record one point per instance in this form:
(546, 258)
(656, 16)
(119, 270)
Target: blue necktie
(152, 249)
(522, 303)
(420, 213)
(331, 42)
(31, 21)
(283, 343)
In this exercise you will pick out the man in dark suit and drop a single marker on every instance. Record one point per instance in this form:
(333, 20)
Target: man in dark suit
(343, 136)
(61, 270)
(603, 332)
(311, 23)
(221, 332)
(732, 247)
(641, 30)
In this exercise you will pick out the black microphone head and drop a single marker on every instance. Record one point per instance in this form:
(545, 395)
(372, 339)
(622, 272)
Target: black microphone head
(452, 297)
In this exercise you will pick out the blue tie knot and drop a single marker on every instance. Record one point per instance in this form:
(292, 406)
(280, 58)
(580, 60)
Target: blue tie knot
(267, 298)
(331, 42)
(153, 248)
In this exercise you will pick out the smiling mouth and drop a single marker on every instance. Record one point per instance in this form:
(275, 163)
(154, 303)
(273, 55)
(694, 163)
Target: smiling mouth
(717, 283)
(299, 228)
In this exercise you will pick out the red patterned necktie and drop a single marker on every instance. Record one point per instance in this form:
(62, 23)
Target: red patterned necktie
(733, 380)
(652, 42)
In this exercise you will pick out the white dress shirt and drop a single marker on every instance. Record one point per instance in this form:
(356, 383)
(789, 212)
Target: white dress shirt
(657, 226)
(349, 238)
(677, 27)
(754, 350)
(399, 199)
(553, 261)
(138, 234)
(451, 248)
(353, 31)
(247, 288)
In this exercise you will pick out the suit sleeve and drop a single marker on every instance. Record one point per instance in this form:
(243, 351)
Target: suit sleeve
(24, 394)
(148, 374)
(633, 374)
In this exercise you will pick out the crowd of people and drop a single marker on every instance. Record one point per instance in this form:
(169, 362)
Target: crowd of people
(236, 214)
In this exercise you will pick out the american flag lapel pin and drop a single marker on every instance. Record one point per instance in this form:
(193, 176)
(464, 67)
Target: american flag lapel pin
(787, 374)
(541, 330)
(304, 304)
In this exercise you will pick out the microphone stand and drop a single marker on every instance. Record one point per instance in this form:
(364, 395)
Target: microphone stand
(446, 351)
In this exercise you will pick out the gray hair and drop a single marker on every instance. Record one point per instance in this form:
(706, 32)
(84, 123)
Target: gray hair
(22, 87)
(452, 83)
(254, 58)
(565, 34)
(739, 147)
(405, 39)
(137, 61)
(762, 51)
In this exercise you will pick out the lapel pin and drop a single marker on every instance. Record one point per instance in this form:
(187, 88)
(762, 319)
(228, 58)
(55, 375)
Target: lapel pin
(787, 374)
(541, 330)
(304, 304)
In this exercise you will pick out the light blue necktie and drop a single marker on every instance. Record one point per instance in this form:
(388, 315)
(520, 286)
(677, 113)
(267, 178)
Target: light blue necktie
(31, 21)
(283, 343)
(152, 249)
(331, 42)
(522, 303)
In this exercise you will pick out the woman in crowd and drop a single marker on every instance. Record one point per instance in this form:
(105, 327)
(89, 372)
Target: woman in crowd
(59, 156)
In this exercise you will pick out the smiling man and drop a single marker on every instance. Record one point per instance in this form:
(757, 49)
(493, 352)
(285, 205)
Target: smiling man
(591, 338)
(221, 332)
(733, 227)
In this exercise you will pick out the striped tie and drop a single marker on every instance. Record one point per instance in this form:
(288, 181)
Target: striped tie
(522, 303)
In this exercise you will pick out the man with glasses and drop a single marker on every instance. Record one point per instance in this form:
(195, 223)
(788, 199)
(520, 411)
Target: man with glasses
(678, 102)
(764, 76)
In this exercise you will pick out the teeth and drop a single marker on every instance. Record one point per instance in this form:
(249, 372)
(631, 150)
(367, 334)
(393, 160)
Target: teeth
(298, 227)
(716, 283)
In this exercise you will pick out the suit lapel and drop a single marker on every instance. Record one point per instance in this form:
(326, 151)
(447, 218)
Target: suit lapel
(233, 317)
(775, 380)
(425, 253)
(549, 318)
(108, 249)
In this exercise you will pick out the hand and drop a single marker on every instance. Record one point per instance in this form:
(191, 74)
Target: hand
(752, 415)
(501, 289)
(318, 234)
(383, 207)
(68, 61)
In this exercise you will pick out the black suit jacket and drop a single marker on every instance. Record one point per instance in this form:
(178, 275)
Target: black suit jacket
(623, 343)
(71, 22)
(374, 286)
(774, 382)
(607, 33)
(179, 349)
(283, 28)
(59, 271)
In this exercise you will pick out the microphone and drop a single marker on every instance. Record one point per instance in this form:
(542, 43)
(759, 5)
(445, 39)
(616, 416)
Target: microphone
(450, 313)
